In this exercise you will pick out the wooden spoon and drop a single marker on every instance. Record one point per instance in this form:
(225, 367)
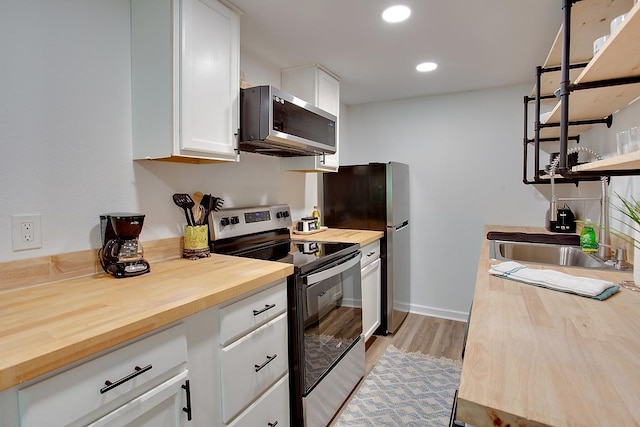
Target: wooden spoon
(197, 212)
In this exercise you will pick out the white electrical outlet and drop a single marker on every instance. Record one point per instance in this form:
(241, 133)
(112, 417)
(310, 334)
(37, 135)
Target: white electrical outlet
(26, 232)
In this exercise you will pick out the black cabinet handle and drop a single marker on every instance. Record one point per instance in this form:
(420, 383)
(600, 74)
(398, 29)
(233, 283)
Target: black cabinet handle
(372, 253)
(269, 359)
(187, 409)
(111, 385)
(273, 424)
(266, 307)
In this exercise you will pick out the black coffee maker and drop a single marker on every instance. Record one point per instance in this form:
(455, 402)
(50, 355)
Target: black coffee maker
(121, 252)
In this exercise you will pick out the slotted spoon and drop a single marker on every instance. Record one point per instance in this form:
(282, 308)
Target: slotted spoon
(185, 202)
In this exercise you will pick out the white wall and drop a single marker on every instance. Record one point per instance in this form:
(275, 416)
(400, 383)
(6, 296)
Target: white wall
(464, 154)
(65, 130)
(65, 138)
(465, 157)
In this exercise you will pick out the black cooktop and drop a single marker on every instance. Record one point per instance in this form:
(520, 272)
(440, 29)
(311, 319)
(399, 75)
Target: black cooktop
(278, 246)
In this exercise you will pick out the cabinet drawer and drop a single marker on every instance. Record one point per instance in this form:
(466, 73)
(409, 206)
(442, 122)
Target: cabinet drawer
(370, 253)
(247, 314)
(248, 366)
(271, 408)
(75, 393)
(161, 406)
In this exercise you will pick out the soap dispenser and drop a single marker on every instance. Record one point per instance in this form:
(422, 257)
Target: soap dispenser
(588, 240)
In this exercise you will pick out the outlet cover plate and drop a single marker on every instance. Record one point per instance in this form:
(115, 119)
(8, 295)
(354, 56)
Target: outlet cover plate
(33, 226)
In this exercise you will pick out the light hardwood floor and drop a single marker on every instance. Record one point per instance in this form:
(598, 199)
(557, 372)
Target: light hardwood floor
(428, 335)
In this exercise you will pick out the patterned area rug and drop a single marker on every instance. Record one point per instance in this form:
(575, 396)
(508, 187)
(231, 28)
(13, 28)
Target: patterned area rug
(404, 389)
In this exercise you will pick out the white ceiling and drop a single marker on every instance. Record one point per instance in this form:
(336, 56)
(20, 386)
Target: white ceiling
(478, 44)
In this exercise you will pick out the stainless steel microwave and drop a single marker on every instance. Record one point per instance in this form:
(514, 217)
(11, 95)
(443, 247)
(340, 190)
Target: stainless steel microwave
(277, 123)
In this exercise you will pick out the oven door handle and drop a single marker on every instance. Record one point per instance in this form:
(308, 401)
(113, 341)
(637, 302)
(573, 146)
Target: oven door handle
(333, 271)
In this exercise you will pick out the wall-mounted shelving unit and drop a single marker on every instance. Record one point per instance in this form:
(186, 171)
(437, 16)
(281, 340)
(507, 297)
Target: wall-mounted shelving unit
(591, 87)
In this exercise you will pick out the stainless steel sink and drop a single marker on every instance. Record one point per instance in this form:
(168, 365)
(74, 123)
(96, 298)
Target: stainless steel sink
(564, 255)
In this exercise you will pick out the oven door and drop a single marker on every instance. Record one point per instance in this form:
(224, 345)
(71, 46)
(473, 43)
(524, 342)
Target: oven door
(332, 316)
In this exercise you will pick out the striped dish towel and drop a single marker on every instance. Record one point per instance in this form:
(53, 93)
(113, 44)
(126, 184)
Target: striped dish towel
(551, 279)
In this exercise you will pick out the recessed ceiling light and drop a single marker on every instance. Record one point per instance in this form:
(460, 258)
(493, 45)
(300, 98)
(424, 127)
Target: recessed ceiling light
(426, 66)
(396, 13)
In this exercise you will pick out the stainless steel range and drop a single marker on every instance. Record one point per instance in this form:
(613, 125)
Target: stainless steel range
(326, 347)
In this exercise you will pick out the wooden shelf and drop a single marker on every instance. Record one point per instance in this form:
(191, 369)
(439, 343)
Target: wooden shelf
(589, 21)
(623, 162)
(619, 57)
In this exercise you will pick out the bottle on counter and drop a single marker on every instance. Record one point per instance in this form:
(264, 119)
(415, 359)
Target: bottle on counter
(588, 240)
(316, 215)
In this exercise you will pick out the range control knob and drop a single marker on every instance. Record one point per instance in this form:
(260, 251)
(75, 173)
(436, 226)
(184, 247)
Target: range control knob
(224, 221)
(280, 214)
(286, 214)
(235, 220)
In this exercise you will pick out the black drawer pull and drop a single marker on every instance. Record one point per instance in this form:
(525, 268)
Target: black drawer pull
(273, 424)
(266, 307)
(111, 385)
(372, 253)
(269, 359)
(187, 388)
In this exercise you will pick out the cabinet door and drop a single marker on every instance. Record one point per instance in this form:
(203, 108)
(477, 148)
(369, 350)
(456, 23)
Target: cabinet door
(90, 390)
(184, 80)
(328, 99)
(271, 409)
(314, 85)
(249, 313)
(328, 96)
(253, 364)
(371, 288)
(160, 407)
(209, 78)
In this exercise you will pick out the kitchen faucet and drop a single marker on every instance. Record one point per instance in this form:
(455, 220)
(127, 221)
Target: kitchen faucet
(604, 238)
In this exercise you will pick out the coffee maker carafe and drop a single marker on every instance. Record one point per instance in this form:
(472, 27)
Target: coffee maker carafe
(121, 254)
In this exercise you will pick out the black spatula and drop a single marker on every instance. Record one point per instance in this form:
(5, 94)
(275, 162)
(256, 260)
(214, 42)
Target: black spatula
(185, 202)
(217, 203)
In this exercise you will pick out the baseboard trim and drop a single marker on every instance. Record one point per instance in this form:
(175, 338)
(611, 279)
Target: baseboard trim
(460, 316)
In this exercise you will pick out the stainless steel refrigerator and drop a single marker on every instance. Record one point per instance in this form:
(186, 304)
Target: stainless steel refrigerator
(375, 196)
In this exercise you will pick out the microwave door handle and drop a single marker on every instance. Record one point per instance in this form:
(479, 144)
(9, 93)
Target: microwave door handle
(333, 271)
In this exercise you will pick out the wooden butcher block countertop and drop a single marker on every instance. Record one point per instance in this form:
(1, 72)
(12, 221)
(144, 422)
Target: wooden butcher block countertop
(48, 326)
(363, 237)
(539, 357)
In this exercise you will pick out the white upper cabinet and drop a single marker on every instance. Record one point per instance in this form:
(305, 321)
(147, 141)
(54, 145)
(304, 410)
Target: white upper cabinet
(185, 58)
(318, 86)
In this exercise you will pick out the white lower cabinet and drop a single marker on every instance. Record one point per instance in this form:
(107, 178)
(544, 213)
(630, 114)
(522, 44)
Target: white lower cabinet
(270, 410)
(162, 406)
(251, 312)
(252, 364)
(140, 381)
(203, 352)
(226, 365)
(254, 367)
(371, 288)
